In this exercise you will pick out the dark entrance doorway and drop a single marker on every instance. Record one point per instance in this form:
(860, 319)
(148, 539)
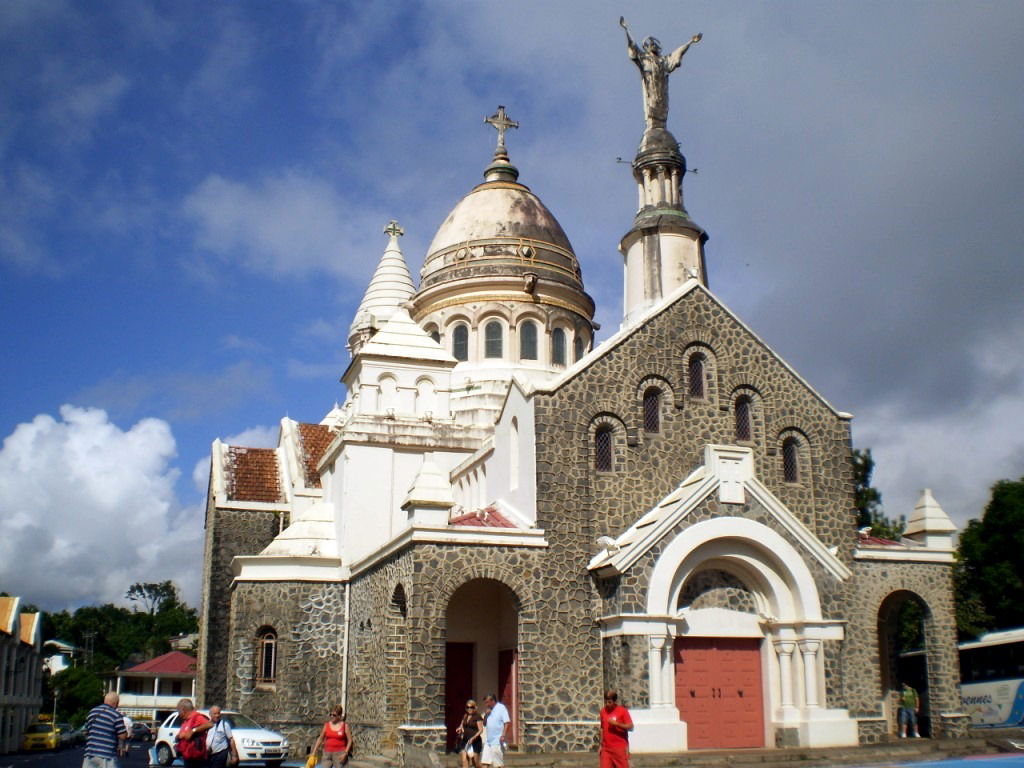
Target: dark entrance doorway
(482, 652)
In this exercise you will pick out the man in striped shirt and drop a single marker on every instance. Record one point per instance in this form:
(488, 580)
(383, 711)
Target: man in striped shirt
(105, 726)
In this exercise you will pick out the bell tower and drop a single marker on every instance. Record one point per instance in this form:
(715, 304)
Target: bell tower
(665, 247)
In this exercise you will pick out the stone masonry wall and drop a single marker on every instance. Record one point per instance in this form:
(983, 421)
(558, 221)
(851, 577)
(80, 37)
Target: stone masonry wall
(865, 664)
(559, 651)
(229, 532)
(647, 466)
(309, 619)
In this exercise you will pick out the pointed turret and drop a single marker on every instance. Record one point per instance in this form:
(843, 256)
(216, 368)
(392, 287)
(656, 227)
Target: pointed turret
(390, 288)
(929, 524)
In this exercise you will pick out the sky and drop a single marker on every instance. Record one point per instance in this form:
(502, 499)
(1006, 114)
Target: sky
(192, 198)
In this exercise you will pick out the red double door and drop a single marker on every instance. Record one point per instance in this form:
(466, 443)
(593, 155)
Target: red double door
(719, 691)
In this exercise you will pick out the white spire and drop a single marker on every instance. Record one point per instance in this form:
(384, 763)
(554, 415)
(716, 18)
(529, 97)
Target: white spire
(390, 288)
(929, 524)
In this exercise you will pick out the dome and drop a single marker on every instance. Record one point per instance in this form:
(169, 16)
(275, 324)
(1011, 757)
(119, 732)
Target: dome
(500, 229)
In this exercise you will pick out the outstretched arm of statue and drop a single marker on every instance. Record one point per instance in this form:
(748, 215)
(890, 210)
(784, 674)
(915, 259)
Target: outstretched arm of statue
(675, 58)
(630, 43)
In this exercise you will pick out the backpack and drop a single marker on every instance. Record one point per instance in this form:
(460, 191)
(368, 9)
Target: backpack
(194, 747)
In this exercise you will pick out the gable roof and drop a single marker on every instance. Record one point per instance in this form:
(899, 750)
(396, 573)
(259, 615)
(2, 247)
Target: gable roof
(730, 471)
(31, 628)
(8, 614)
(171, 663)
(625, 333)
(315, 439)
(252, 474)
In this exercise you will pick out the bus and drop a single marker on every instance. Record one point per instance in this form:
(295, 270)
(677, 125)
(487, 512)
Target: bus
(992, 679)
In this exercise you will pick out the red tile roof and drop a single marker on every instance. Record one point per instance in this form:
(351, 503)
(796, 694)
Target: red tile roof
(876, 541)
(173, 663)
(488, 517)
(252, 475)
(315, 439)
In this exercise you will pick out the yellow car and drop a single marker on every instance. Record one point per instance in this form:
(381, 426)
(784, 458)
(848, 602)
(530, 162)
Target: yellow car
(40, 736)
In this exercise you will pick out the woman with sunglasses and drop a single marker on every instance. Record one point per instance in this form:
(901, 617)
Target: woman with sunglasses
(470, 733)
(336, 740)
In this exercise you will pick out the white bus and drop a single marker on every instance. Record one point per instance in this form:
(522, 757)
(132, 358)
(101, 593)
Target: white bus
(992, 678)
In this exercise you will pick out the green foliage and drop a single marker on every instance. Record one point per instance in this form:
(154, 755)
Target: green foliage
(109, 635)
(910, 627)
(78, 690)
(868, 500)
(989, 578)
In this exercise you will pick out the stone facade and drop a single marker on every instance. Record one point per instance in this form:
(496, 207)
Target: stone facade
(488, 515)
(229, 532)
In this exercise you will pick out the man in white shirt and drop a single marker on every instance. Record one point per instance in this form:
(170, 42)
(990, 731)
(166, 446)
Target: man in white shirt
(219, 741)
(498, 726)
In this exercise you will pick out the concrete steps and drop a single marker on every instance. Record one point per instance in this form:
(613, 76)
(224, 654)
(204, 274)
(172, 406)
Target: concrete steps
(903, 751)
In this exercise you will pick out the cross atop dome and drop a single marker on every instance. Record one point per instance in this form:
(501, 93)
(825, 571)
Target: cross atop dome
(393, 230)
(501, 168)
(501, 123)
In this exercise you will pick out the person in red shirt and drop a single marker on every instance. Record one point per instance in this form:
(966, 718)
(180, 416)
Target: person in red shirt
(336, 740)
(615, 727)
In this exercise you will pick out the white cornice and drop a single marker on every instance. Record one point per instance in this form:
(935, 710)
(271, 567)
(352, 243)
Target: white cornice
(288, 568)
(894, 555)
(462, 535)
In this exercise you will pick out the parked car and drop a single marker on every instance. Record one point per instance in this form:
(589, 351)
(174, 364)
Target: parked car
(66, 734)
(255, 743)
(141, 732)
(40, 736)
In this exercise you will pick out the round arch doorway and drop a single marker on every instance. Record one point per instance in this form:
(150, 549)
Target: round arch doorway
(481, 650)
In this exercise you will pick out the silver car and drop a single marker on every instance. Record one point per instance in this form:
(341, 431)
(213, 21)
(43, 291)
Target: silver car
(254, 742)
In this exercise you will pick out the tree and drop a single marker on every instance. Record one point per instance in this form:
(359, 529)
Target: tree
(989, 574)
(153, 596)
(868, 500)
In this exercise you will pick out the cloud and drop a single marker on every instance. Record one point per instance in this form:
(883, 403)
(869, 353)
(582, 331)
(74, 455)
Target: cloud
(87, 509)
(287, 223)
(180, 395)
(958, 450)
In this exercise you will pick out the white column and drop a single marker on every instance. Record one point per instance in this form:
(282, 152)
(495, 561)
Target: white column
(659, 657)
(809, 649)
(784, 651)
(674, 189)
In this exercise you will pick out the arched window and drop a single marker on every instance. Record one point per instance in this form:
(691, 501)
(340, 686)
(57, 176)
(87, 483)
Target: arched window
(742, 413)
(603, 448)
(528, 341)
(695, 374)
(558, 347)
(791, 460)
(266, 656)
(436, 335)
(460, 342)
(577, 348)
(492, 339)
(652, 410)
(388, 393)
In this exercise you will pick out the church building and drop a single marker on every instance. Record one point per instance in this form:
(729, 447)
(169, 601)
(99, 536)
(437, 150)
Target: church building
(502, 505)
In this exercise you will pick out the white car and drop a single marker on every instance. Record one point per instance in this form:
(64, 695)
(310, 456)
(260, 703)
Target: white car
(254, 742)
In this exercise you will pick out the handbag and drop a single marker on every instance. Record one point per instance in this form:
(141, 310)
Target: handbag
(312, 760)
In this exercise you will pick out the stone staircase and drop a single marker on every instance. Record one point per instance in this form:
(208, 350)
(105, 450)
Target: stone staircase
(884, 754)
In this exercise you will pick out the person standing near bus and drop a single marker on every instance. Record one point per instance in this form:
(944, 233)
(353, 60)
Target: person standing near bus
(910, 706)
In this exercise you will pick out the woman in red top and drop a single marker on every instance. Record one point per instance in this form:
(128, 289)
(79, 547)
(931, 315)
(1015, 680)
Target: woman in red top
(336, 740)
(615, 727)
